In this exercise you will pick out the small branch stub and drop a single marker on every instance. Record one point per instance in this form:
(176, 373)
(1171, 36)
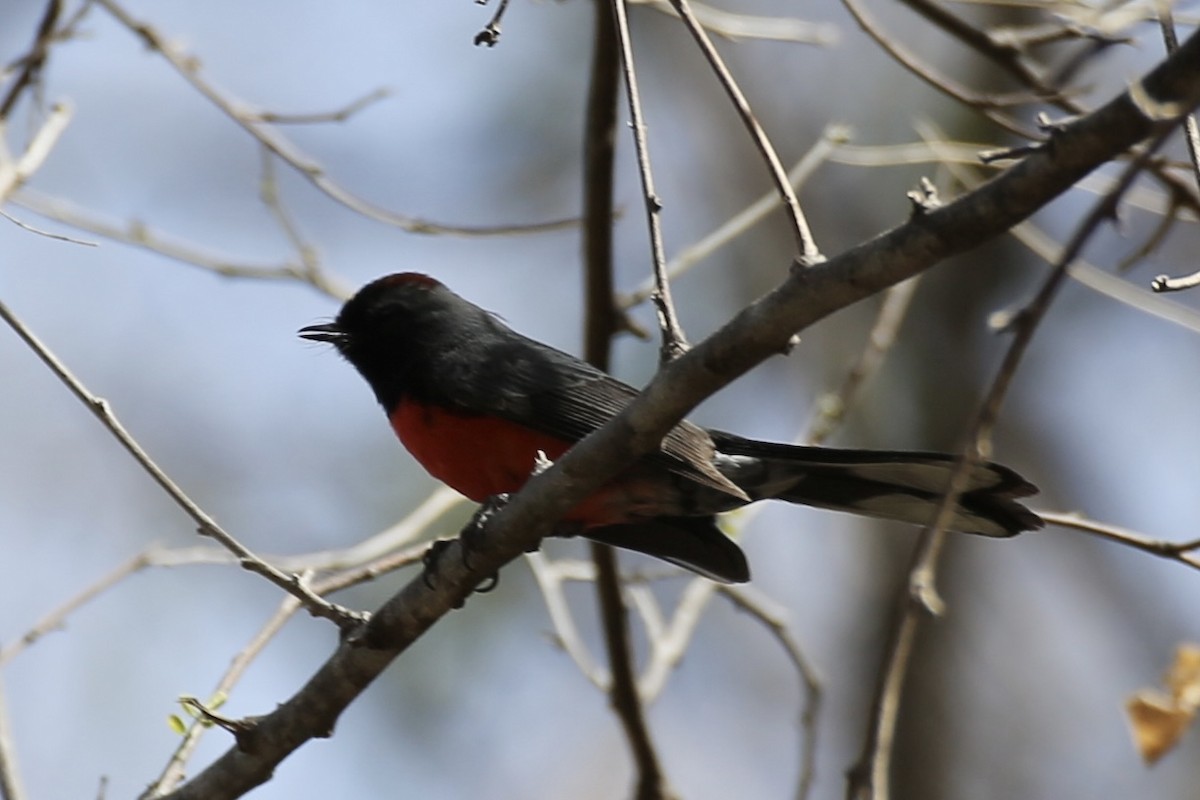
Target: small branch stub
(924, 198)
(1165, 283)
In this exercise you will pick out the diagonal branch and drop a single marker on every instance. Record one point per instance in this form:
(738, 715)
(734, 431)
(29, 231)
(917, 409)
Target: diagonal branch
(674, 342)
(207, 526)
(806, 247)
(757, 332)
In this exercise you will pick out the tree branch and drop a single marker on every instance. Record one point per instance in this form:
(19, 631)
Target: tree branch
(754, 334)
(601, 326)
(870, 777)
(673, 340)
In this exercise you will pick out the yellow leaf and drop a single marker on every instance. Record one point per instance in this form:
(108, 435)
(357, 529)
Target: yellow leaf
(1183, 678)
(1159, 720)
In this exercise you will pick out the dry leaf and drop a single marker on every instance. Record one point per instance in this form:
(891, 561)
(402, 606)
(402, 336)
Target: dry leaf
(1160, 719)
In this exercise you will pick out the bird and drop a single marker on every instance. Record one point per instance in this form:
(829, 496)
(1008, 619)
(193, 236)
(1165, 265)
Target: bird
(480, 405)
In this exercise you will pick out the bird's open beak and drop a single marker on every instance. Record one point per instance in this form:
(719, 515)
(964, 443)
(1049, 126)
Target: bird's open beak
(328, 332)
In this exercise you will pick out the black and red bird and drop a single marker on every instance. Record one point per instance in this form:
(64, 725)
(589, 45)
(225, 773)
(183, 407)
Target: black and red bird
(474, 402)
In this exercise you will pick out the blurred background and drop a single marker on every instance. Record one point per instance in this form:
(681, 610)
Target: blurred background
(1018, 691)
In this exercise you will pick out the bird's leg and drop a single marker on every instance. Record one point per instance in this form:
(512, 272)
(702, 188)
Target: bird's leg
(472, 535)
(469, 540)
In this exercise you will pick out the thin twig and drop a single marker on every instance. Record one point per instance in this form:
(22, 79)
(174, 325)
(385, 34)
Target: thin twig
(250, 120)
(207, 525)
(832, 407)
(806, 247)
(673, 340)
(1003, 51)
(139, 234)
(734, 26)
(15, 172)
(56, 617)
(367, 560)
(670, 641)
(58, 237)
(34, 59)
(821, 151)
(1191, 130)
(11, 787)
(313, 272)
(491, 32)
(1164, 283)
(870, 776)
(1183, 552)
(380, 545)
(987, 105)
(1046, 248)
(338, 115)
(601, 326)
(176, 768)
(551, 577)
(775, 621)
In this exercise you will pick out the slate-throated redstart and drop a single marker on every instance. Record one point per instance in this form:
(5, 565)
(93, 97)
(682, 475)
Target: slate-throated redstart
(474, 402)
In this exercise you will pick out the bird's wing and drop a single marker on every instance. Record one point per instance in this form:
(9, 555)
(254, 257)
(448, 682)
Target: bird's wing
(557, 394)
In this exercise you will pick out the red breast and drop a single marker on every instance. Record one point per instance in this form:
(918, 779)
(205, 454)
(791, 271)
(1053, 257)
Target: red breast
(481, 456)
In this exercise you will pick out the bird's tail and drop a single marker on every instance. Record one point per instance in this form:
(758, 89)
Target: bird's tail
(898, 485)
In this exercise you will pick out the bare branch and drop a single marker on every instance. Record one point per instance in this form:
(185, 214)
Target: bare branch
(758, 331)
(669, 642)
(11, 787)
(252, 122)
(176, 767)
(139, 234)
(870, 776)
(1098, 280)
(54, 620)
(673, 340)
(734, 26)
(601, 324)
(1183, 552)
(550, 577)
(15, 172)
(34, 60)
(33, 229)
(806, 247)
(987, 105)
(207, 525)
(821, 151)
(338, 115)
(775, 621)
(832, 407)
